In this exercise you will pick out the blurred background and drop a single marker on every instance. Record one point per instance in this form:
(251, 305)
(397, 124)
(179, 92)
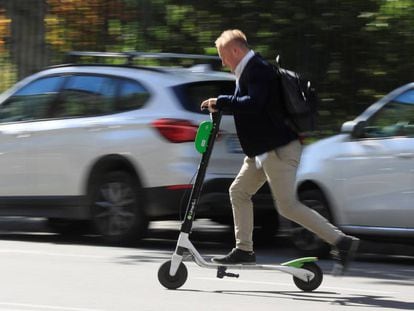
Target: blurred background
(353, 51)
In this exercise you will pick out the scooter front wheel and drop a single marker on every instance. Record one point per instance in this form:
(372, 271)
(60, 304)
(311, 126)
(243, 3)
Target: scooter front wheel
(312, 284)
(175, 281)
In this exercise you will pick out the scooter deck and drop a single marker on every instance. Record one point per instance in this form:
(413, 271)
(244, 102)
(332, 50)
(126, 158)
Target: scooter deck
(295, 263)
(293, 267)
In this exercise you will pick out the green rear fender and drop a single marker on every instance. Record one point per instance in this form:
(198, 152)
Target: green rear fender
(298, 263)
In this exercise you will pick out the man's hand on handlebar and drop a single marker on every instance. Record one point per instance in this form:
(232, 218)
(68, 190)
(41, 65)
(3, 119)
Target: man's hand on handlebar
(209, 104)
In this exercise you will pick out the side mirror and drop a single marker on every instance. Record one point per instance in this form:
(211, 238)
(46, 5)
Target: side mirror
(355, 128)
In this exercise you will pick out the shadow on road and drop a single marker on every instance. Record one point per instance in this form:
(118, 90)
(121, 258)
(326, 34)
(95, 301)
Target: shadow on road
(332, 298)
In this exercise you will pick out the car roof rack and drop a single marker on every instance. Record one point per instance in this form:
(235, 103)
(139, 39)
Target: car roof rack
(72, 56)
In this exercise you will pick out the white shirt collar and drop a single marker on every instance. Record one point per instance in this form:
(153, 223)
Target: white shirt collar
(242, 64)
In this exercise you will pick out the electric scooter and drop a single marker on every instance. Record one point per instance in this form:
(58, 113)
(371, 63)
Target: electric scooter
(172, 274)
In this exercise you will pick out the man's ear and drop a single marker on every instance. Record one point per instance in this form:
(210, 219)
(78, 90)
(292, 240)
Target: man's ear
(236, 50)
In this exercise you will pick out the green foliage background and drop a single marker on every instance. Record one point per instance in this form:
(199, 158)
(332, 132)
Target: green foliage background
(354, 51)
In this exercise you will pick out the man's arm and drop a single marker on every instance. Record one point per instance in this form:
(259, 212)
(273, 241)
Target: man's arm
(258, 91)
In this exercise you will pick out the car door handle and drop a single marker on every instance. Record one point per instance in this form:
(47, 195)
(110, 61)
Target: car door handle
(405, 155)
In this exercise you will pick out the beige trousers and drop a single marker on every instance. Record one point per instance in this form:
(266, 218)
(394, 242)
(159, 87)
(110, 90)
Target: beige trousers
(279, 170)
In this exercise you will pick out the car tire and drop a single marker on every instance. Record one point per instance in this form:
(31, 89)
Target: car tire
(117, 208)
(305, 241)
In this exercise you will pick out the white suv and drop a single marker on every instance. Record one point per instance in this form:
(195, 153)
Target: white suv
(363, 178)
(112, 144)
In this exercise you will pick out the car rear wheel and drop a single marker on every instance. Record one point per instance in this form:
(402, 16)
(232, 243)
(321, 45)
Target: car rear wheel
(118, 214)
(305, 241)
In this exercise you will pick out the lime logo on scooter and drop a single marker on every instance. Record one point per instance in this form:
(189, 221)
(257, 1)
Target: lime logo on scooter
(203, 135)
(191, 212)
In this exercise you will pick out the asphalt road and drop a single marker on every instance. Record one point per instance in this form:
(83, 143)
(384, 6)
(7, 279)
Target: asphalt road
(44, 271)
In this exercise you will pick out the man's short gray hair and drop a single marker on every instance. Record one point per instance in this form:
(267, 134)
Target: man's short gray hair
(231, 35)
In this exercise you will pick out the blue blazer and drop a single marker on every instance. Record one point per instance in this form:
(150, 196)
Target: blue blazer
(257, 109)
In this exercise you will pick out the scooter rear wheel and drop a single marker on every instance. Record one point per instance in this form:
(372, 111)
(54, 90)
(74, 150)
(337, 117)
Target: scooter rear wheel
(312, 284)
(175, 281)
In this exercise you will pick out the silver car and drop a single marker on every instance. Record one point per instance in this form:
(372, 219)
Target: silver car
(363, 178)
(112, 146)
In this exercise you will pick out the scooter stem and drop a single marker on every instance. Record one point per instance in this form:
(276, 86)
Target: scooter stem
(202, 168)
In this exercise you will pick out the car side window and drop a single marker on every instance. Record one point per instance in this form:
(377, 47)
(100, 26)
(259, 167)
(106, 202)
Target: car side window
(396, 118)
(132, 95)
(89, 95)
(32, 101)
(85, 95)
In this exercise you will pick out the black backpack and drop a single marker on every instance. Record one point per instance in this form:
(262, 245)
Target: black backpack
(300, 99)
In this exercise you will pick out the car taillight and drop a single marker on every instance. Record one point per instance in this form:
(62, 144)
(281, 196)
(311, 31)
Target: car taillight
(176, 130)
(180, 187)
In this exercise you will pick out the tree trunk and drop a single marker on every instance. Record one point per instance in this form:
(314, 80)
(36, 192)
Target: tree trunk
(27, 43)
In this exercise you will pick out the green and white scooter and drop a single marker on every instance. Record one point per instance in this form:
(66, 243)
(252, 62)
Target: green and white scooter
(172, 274)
